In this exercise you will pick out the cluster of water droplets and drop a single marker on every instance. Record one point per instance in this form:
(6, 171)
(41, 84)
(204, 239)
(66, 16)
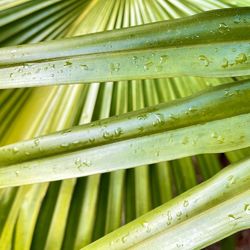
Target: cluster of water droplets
(82, 164)
(114, 67)
(223, 28)
(219, 138)
(111, 135)
(150, 62)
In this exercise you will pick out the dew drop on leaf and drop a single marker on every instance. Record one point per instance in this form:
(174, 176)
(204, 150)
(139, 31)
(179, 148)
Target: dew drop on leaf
(84, 66)
(224, 63)
(247, 208)
(223, 28)
(230, 181)
(179, 245)
(148, 65)
(114, 67)
(15, 150)
(186, 203)
(124, 238)
(163, 59)
(185, 140)
(158, 68)
(134, 58)
(81, 165)
(241, 58)
(37, 142)
(204, 60)
(214, 135)
(220, 139)
(92, 140)
(106, 135)
(67, 63)
(64, 145)
(179, 214)
(237, 19)
(118, 132)
(231, 217)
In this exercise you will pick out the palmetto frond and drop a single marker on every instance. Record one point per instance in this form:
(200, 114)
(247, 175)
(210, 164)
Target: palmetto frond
(153, 122)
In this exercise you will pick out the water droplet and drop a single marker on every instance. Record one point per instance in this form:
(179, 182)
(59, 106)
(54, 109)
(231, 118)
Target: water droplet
(92, 140)
(195, 140)
(204, 60)
(124, 238)
(142, 116)
(84, 66)
(78, 161)
(214, 135)
(15, 150)
(106, 135)
(231, 217)
(179, 245)
(230, 181)
(66, 131)
(227, 92)
(64, 145)
(148, 65)
(179, 214)
(118, 132)
(192, 109)
(220, 139)
(67, 63)
(224, 63)
(237, 19)
(158, 68)
(141, 129)
(134, 58)
(170, 138)
(37, 142)
(223, 28)
(159, 120)
(169, 216)
(25, 66)
(146, 225)
(17, 172)
(186, 203)
(241, 58)
(185, 140)
(172, 116)
(81, 165)
(114, 67)
(163, 59)
(247, 208)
